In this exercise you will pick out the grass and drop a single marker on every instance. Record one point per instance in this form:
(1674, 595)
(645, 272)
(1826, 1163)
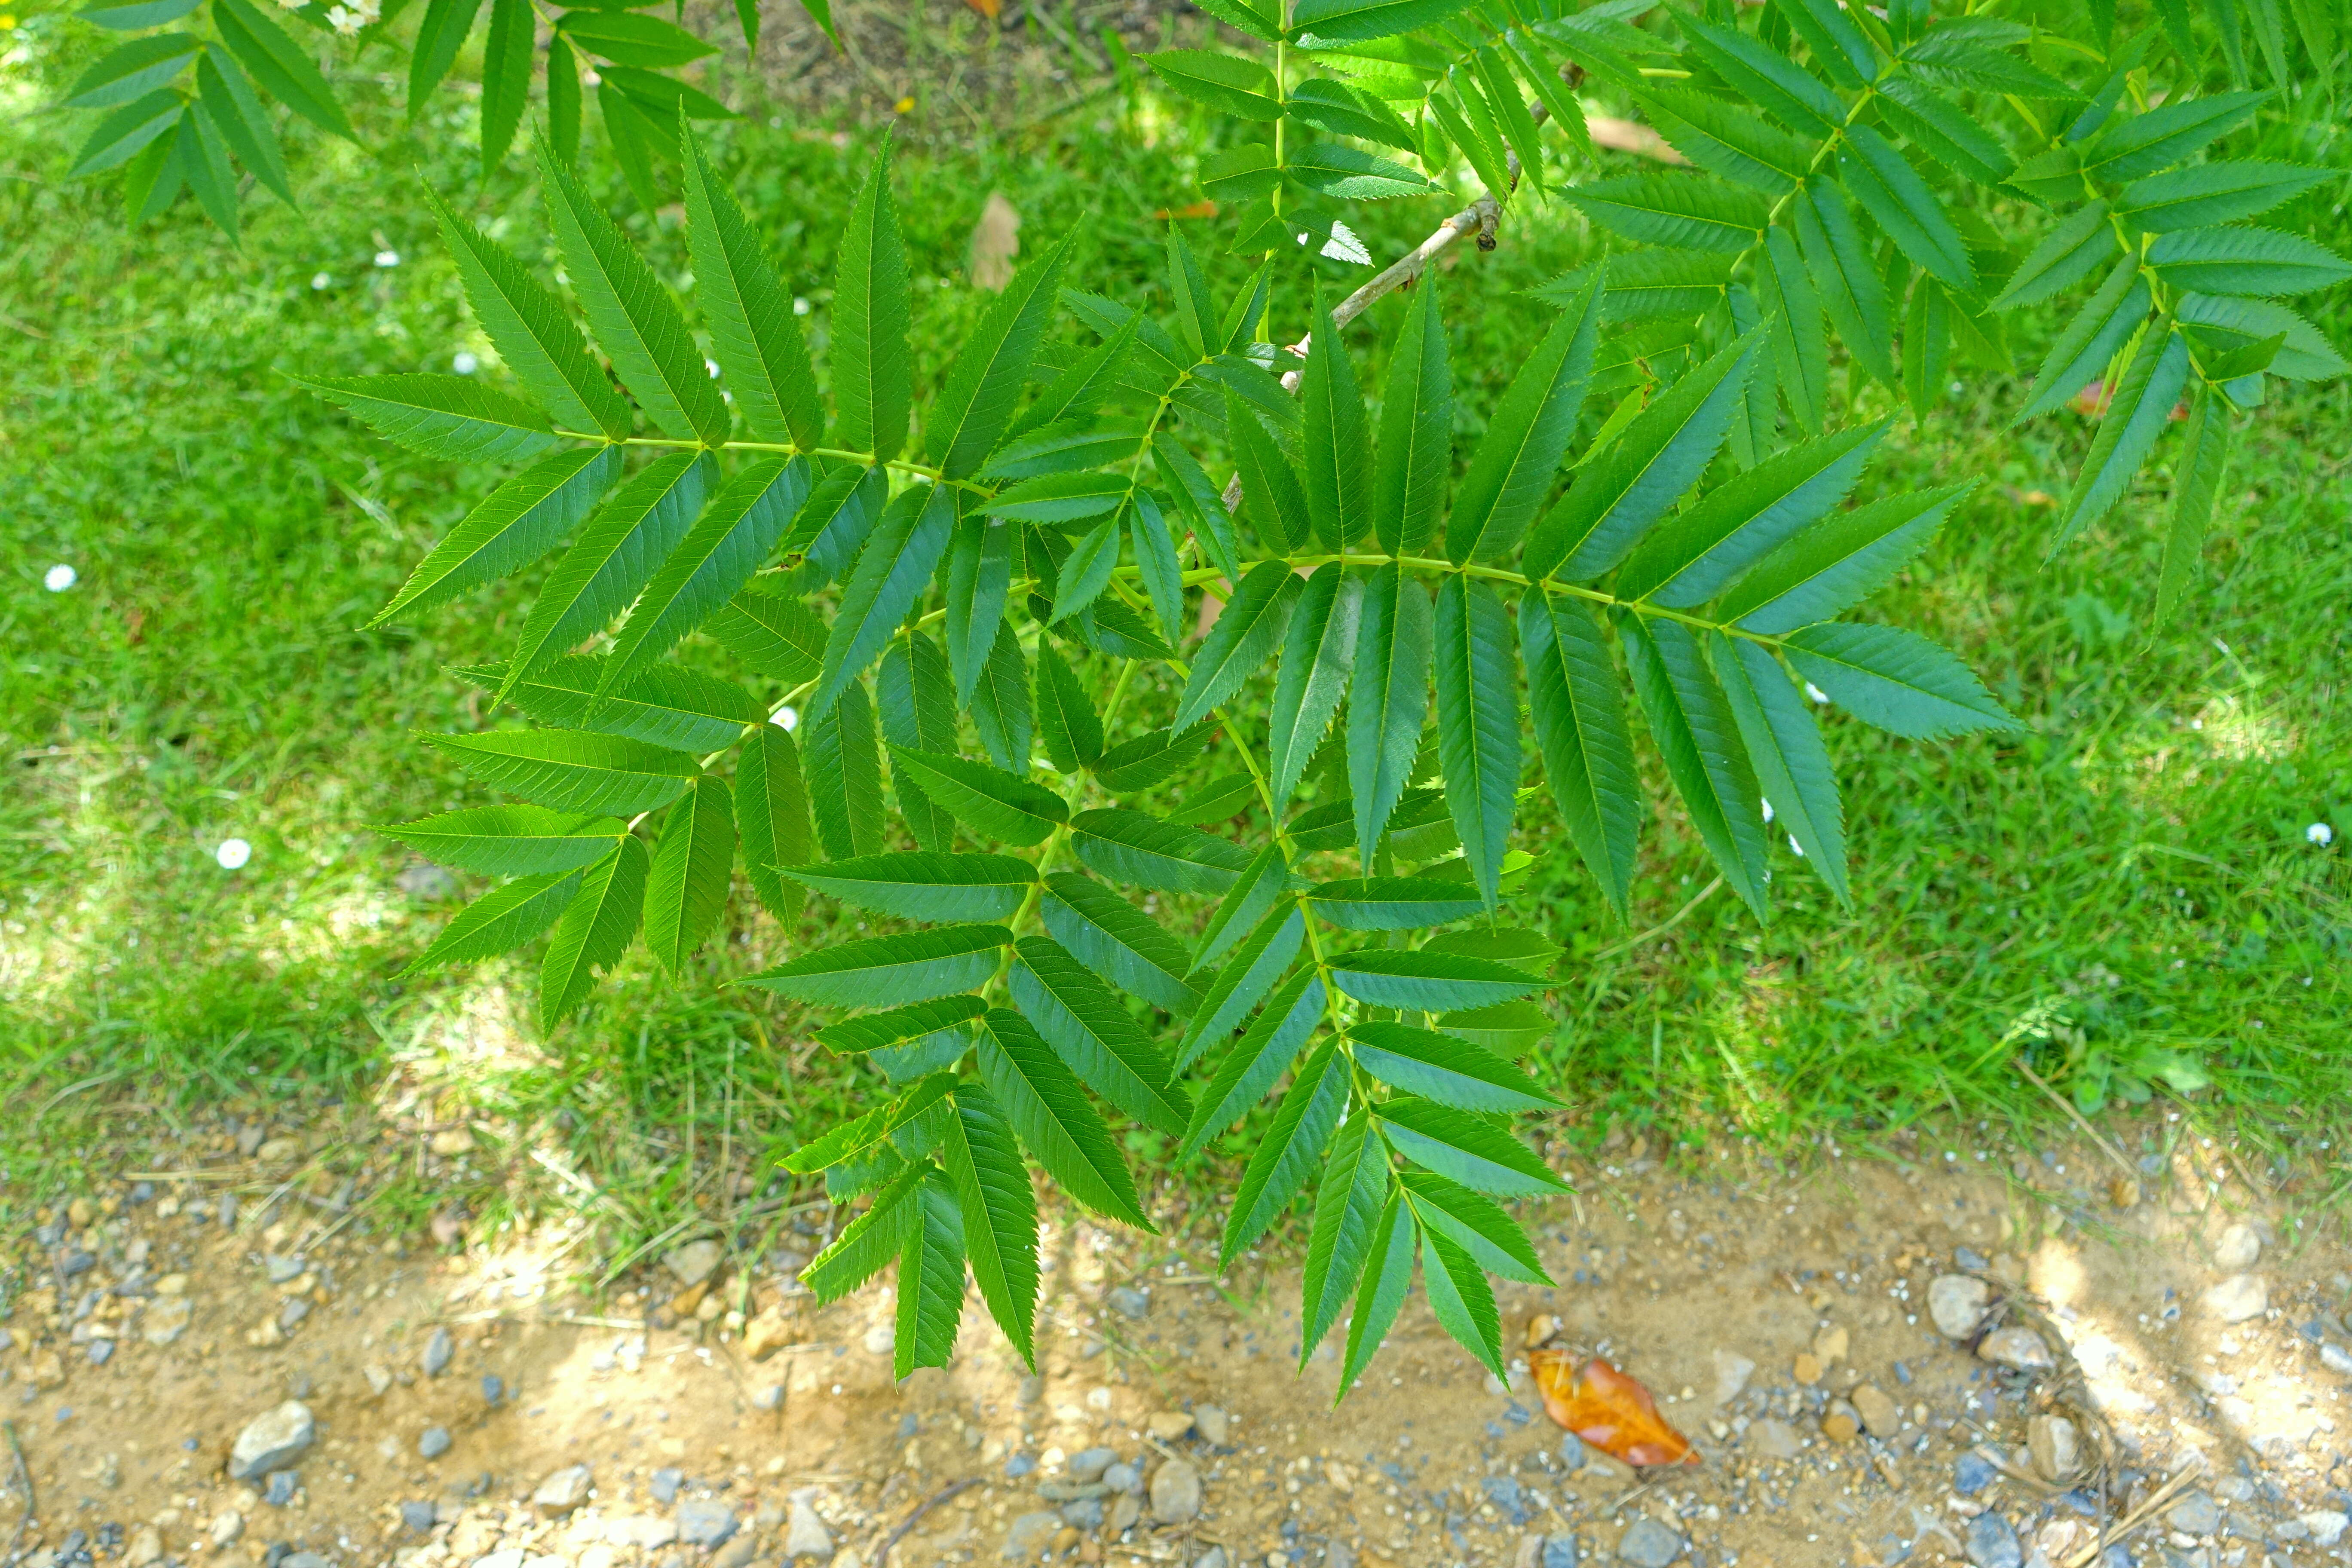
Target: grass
(2129, 876)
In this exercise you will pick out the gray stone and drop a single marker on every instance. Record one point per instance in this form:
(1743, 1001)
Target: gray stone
(494, 1388)
(1732, 1372)
(305, 1560)
(279, 1489)
(271, 1439)
(768, 1398)
(1558, 1551)
(1175, 1492)
(1992, 1543)
(1773, 1439)
(417, 1516)
(1571, 1452)
(1090, 1464)
(439, 1352)
(2327, 1525)
(705, 1522)
(665, 1485)
(695, 1262)
(2335, 1358)
(2238, 1298)
(293, 1311)
(2195, 1514)
(1128, 1302)
(1086, 1513)
(1957, 1304)
(1339, 1554)
(1215, 1557)
(2237, 1248)
(1071, 1491)
(1213, 1423)
(1123, 1477)
(1028, 1536)
(1126, 1513)
(736, 1553)
(282, 1270)
(2056, 1447)
(2015, 1345)
(563, 1490)
(1649, 1544)
(434, 1443)
(806, 1536)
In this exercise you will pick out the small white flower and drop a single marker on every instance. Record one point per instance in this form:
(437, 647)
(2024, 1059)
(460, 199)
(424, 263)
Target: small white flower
(233, 854)
(344, 22)
(387, 258)
(464, 364)
(321, 281)
(712, 366)
(60, 577)
(801, 307)
(786, 718)
(1768, 811)
(1815, 692)
(2319, 833)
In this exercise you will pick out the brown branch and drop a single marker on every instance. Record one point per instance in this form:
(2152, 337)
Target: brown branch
(882, 1558)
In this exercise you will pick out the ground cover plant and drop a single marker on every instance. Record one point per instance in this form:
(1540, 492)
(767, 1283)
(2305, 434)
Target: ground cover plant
(1165, 687)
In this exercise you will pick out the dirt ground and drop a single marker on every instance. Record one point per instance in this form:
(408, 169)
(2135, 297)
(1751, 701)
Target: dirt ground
(724, 1420)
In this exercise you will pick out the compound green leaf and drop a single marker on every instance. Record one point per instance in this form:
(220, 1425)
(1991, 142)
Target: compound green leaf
(1784, 90)
(2086, 344)
(1245, 635)
(869, 1243)
(454, 417)
(1151, 758)
(615, 556)
(683, 710)
(1675, 210)
(509, 840)
(1477, 725)
(2067, 255)
(1512, 469)
(1393, 650)
(931, 1280)
(595, 930)
(844, 767)
(772, 813)
(1464, 1148)
(2243, 260)
(1848, 281)
(1293, 1146)
(1258, 1058)
(1688, 559)
(686, 892)
(975, 402)
(1091, 1029)
(1319, 654)
(1784, 746)
(533, 336)
(1347, 1205)
(1894, 679)
(924, 886)
(1359, 21)
(506, 77)
(1055, 1121)
(1691, 726)
(1388, 1279)
(1422, 981)
(1942, 129)
(1728, 142)
(890, 970)
(1662, 452)
(1335, 433)
(2213, 193)
(1001, 706)
(753, 334)
(2131, 149)
(514, 525)
(1444, 1068)
(502, 918)
(1462, 1301)
(1068, 724)
(2197, 482)
(1229, 84)
(1130, 848)
(1580, 723)
(917, 703)
(281, 65)
(1900, 202)
(1415, 457)
(728, 543)
(1261, 961)
(893, 570)
(1838, 561)
(1394, 903)
(905, 1028)
(1474, 1223)
(991, 802)
(571, 771)
(1119, 942)
(2143, 402)
(872, 373)
(128, 130)
(1000, 1213)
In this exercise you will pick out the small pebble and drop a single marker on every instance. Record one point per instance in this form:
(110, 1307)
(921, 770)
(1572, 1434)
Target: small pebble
(434, 1443)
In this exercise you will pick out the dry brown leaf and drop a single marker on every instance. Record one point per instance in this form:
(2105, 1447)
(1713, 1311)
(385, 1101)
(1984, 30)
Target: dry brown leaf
(1631, 136)
(995, 241)
(1607, 1409)
(1201, 208)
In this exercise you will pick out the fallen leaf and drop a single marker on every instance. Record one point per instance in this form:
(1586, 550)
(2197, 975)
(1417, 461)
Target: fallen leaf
(1607, 1409)
(988, 8)
(995, 241)
(1203, 208)
(2092, 401)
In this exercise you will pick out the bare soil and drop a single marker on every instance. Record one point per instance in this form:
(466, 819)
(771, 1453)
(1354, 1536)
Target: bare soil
(143, 1335)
